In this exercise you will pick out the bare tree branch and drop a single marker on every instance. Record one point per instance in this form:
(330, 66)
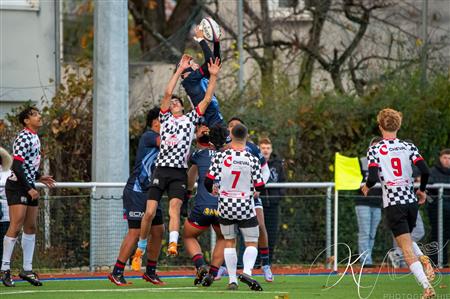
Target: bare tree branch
(141, 20)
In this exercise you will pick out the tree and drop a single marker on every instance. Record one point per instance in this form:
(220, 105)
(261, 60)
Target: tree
(353, 42)
(156, 28)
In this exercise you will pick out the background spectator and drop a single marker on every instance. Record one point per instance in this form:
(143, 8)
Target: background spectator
(440, 173)
(5, 164)
(368, 214)
(271, 196)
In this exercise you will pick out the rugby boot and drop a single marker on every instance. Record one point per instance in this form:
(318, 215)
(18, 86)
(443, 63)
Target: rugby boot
(248, 280)
(153, 278)
(7, 278)
(31, 277)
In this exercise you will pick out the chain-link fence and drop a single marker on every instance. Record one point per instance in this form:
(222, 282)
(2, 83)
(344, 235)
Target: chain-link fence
(72, 225)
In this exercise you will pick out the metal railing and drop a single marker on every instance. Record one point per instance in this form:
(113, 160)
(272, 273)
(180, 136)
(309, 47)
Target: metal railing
(328, 186)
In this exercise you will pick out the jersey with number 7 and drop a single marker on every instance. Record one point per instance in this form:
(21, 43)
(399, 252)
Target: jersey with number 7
(237, 172)
(394, 158)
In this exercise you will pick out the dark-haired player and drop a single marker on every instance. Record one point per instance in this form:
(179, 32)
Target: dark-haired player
(390, 161)
(22, 196)
(177, 131)
(134, 203)
(239, 174)
(195, 82)
(263, 242)
(204, 213)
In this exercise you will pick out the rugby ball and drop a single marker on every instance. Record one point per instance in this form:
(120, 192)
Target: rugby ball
(211, 30)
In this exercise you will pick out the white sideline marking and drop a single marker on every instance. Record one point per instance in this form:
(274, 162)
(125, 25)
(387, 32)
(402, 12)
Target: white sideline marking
(125, 289)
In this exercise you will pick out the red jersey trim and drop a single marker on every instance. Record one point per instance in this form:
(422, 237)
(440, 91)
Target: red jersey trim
(208, 145)
(373, 165)
(210, 176)
(19, 158)
(197, 226)
(417, 160)
(29, 130)
(164, 111)
(198, 111)
(259, 184)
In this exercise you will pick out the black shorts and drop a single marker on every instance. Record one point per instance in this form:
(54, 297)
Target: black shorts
(172, 180)
(20, 197)
(203, 217)
(134, 205)
(401, 219)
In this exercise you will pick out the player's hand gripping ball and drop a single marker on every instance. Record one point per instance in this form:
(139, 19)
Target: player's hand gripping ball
(211, 30)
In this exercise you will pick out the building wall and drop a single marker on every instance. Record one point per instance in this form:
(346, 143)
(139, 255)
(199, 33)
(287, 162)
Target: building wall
(27, 60)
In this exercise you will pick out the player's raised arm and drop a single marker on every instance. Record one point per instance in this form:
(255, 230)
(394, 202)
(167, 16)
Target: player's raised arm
(213, 68)
(184, 64)
(207, 54)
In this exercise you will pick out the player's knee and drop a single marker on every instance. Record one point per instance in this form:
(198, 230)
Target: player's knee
(230, 243)
(13, 231)
(254, 244)
(175, 204)
(133, 233)
(29, 229)
(149, 215)
(174, 211)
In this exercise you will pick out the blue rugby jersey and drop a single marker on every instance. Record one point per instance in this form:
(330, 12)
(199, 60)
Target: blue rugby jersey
(202, 158)
(196, 83)
(146, 155)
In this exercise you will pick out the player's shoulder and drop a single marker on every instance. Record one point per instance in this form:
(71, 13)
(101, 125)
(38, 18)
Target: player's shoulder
(149, 134)
(24, 135)
(223, 153)
(407, 143)
(252, 147)
(201, 152)
(251, 156)
(375, 147)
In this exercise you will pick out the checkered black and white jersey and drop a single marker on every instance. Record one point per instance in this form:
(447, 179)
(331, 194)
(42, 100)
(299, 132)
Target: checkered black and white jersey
(176, 138)
(394, 159)
(237, 172)
(27, 148)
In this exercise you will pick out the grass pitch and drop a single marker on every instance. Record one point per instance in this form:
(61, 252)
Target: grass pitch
(292, 287)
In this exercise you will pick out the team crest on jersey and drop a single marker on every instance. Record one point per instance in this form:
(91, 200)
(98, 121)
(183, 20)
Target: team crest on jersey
(227, 161)
(383, 150)
(172, 140)
(155, 181)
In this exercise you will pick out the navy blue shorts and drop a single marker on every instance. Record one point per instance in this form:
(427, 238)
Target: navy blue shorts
(134, 205)
(202, 217)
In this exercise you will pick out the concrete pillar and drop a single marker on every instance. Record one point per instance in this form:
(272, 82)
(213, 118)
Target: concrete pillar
(110, 137)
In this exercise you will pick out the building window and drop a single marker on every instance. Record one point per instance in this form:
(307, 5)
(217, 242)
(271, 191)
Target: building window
(19, 5)
(290, 9)
(287, 3)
